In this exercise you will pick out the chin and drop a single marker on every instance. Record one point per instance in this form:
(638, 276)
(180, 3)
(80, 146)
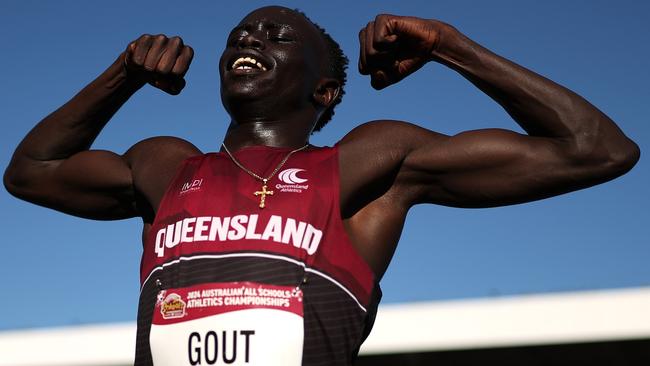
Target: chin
(246, 87)
(243, 99)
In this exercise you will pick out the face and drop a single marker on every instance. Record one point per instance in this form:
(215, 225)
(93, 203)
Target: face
(273, 57)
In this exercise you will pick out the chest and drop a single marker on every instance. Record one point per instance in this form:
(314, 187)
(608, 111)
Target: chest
(213, 185)
(213, 209)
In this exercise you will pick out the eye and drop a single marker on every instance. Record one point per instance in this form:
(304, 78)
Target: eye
(280, 37)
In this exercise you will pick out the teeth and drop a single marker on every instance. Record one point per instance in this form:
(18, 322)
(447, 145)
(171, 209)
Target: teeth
(247, 63)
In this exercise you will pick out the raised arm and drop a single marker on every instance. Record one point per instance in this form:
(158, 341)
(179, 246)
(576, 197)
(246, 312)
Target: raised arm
(53, 165)
(569, 144)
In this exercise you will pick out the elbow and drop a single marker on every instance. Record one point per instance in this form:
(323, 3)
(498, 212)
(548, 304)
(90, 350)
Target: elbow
(601, 162)
(627, 158)
(19, 179)
(620, 160)
(8, 180)
(11, 181)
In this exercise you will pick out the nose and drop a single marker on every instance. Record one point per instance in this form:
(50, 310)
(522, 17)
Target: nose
(251, 40)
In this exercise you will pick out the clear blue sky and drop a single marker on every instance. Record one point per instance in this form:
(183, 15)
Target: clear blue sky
(62, 270)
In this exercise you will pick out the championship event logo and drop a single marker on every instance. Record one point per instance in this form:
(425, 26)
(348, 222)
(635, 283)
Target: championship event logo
(172, 307)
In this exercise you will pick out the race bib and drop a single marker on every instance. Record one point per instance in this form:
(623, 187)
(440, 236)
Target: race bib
(234, 323)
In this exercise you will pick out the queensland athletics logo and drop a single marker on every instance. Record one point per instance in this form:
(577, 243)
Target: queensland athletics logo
(293, 182)
(290, 176)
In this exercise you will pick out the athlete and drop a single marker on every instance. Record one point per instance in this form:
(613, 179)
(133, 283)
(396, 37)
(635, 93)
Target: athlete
(270, 251)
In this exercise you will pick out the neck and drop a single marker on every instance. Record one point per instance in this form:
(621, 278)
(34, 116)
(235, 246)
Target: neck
(292, 133)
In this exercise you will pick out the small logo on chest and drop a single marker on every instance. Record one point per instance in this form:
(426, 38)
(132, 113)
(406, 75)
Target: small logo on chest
(191, 186)
(293, 183)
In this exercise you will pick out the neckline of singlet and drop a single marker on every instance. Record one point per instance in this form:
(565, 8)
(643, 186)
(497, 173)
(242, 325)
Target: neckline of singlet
(265, 147)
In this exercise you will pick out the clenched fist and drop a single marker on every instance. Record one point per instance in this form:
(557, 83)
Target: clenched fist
(393, 47)
(159, 61)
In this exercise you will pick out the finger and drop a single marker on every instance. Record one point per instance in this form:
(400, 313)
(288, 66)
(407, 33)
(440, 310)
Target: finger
(141, 49)
(371, 52)
(179, 85)
(372, 58)
(379, 80)
(388, 76)
(128, 54)
(406, 68)
(384, 36)
(156, 51)
(168, 59)
(377, 62)
(171, 86)
(375, 59)
(362, 52)
(400, 70)
(183, 62)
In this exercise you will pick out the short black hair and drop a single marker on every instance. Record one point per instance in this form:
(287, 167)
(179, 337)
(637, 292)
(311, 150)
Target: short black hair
(337, 66)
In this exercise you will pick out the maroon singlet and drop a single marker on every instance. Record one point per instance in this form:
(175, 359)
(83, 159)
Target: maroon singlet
(226, 282)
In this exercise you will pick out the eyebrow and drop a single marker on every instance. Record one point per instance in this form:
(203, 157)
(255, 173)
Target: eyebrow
(280, 26)
(266, 24)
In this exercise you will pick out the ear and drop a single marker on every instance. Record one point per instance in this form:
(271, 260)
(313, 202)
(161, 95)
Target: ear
(326, 91)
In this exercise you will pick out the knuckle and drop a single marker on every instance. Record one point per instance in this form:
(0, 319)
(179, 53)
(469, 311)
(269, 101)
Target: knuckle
(149, 66)
(160, 72)
(179, 69)
(166, 69)
(159, 41)
(144, 41)
(137, 58)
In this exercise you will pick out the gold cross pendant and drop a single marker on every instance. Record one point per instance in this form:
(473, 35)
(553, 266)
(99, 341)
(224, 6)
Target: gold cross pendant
(263, 193)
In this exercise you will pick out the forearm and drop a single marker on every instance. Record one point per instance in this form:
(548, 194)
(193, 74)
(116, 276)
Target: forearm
(75, 125)
(540, 106)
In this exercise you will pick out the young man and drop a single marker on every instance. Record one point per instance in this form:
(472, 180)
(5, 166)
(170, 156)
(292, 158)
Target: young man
(270, 251)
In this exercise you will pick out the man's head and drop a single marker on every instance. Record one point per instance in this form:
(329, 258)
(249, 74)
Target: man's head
(276, 61)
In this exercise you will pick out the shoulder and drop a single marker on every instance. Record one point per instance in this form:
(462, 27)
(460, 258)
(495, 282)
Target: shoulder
(153, 163)
(375, 156)
(159, 150)
(397, 131)
(371, 157)
(166, 145)
(372, 129)
(385, 137)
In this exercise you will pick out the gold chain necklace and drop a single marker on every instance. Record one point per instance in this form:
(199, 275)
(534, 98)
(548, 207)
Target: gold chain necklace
(262, 193)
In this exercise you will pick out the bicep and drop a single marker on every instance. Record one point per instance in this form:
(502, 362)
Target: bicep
(92, 184)
(487, 168)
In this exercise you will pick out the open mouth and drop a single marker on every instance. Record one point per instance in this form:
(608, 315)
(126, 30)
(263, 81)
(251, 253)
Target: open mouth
(247, 64)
